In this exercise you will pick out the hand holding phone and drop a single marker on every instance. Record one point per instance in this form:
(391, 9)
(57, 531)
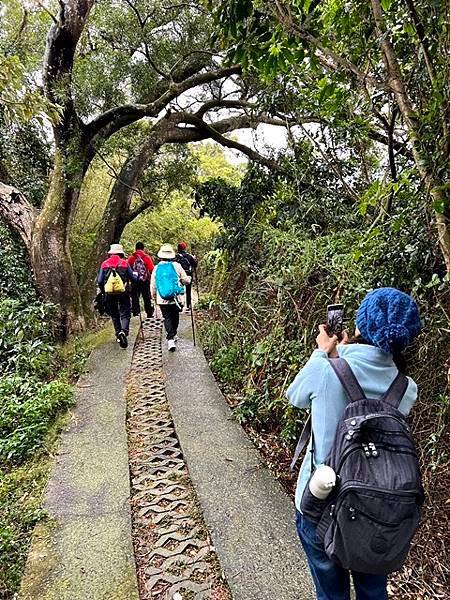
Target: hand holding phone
(335, 320)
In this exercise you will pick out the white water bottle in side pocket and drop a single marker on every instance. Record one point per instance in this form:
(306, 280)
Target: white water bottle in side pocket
(322, 482)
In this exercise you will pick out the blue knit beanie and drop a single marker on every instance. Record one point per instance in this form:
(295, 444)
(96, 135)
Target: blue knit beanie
(388, 319)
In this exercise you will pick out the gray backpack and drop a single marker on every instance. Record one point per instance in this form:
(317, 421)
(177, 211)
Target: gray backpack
(367, 522)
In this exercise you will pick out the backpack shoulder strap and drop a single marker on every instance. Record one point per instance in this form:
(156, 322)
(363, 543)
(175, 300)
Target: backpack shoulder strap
(347, 378)
(302, 441)
(396, 390)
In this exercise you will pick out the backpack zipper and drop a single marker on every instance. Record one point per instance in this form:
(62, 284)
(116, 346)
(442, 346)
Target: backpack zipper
(371, 488)
(357, 511)
(351, 450)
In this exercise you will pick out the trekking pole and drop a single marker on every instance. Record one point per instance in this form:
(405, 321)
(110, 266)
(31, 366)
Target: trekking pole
(142, 326)
(193, 324)
(196, 283)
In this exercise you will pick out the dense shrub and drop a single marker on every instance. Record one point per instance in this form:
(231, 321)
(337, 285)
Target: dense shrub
(27, 408)
(15, 271)
(269, 292)
(26, 345)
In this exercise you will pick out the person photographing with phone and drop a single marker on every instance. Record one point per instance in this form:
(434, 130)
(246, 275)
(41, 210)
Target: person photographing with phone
(338, 515)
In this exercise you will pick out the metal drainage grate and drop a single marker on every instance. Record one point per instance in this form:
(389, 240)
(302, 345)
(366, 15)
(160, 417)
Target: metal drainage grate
(174, 556)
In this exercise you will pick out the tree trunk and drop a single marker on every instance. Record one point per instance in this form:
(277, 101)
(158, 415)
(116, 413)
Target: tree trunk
(45, 236)
(50, 252)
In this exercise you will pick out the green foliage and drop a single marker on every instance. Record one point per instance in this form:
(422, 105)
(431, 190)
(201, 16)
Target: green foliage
(27, 409)
(270, 289)
(322, 63)
(213, 164)
(19, 103)
(24, 158)
(22, 41)
(227, 364)
(15, 271)
(234, 205)
(176, 220)
(25, 338)
(118, 48)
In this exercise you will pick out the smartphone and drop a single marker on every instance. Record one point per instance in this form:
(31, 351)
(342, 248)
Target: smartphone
(335, 319)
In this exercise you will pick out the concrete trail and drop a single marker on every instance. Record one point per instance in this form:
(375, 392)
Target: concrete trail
(249, 516)
(84, 550)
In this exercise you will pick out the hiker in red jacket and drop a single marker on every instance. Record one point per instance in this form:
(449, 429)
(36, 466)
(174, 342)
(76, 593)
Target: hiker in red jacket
(114, 279)
(142, 265)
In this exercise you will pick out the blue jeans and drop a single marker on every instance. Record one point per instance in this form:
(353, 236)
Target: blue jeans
(333, 582)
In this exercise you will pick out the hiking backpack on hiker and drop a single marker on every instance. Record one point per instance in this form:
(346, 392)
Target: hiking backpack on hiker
(367, 522)
(184, 262)
(166, 281)
(141, 268)
(114, 282)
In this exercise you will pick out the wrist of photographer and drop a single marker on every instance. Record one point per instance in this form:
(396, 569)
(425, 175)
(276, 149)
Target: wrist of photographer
(328, 343)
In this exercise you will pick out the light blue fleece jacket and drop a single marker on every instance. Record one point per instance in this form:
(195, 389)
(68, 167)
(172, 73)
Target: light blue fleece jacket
(317, 387)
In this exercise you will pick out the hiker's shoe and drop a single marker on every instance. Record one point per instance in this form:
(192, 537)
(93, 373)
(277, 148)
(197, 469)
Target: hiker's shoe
(171, 345)
(123, 340)
(175, 339)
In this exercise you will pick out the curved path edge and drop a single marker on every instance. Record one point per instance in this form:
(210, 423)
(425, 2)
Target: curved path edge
(83, 550)
(249, 516)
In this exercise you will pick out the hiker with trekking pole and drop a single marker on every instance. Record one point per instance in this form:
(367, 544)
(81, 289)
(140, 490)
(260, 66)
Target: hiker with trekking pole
(189, 264)
(166, 283)
(359, 493)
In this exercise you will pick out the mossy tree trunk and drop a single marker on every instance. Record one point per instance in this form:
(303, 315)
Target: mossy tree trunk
(50, 252)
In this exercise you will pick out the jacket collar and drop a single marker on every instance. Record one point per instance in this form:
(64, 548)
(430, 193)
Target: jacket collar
(367, 353)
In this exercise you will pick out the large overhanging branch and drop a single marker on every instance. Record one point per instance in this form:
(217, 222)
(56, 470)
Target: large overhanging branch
(18, 212)
(170, 131)
(216, 131)
(112, 120)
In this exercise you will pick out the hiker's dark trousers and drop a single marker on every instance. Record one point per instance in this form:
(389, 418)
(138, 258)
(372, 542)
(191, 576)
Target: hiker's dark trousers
(138, 289)
(332, 581)
(189, 295)
(119, 309)
(171, 316)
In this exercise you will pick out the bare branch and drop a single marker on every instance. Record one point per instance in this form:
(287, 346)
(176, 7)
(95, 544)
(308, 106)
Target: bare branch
(215, 135)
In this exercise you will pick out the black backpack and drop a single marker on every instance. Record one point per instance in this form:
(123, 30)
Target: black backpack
(367, 522)
(183, 259)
